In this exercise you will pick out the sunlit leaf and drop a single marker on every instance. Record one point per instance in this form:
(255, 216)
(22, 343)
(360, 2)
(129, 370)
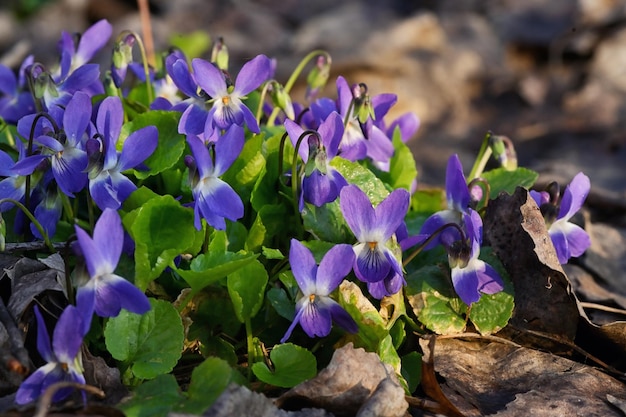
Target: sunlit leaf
(292, 365)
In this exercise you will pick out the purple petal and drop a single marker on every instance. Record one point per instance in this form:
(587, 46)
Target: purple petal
(228, 148)
(294, 323)
(92, 40)
(250, 119)
(83, 77)
(253, 73)
(128, 295)
(43, 338)
(333, 268)
(209, 77)
(193, 120)
(66, 340)
(32, 388)
(201, 155)
(103, 193)
(382, 103)
(12, 188)
(331, 132)
(48, 213)
(569, 240)
(435, 223)
(179, 71)
(386, 287)
(371, 263)
(379, 146)
(303, 267)
(475, 278)
(457, 194)
(76, 117)
(28, 165)
(489, 281)
(390, 213)
(97, 264)
(85, 303)
(357, 210)
(322, 108)
(316, 319)
(574, 196)
(318, 189)
(540, 197)
(408, 124)
(216, 198)
(138, 146)
(295, 131)
(108, 235)
(121, 186)
(344, 95)
(109, 124)
(341, 316)
(69, 170)
(8, 81)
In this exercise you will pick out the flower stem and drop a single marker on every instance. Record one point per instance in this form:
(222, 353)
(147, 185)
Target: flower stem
(250, 344)
(481, 159)
(33, 220)
(294, 76)
(423, 244)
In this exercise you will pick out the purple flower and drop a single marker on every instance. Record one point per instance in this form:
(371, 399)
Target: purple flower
(569, 239)
(227, 106)
(62, 357)
(321, 183)
(215, 199)
(470, 275)
(64, 150)
(458, 211)
(15, 99)
(377, 252)
(106, 293)
(315, 310)
(107, 185)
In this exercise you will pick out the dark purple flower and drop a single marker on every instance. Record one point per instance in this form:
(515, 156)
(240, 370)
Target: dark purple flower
(16, 101)
(315, 310)
(107, 185)
(569, 239)
(62, 357)
(106, 293)
(321, 182)
(215, 200)
(378, 255)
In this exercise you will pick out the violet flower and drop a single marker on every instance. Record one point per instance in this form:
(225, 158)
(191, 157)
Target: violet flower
(321, 182)
(16, 100)
(315, 310)
(62, 357)
(227, 106)
(64, 150)
(470, 275)
(215, 199)
(106, 293)
(569, 239)
(107, 185)
(458, 211)
(378, 255)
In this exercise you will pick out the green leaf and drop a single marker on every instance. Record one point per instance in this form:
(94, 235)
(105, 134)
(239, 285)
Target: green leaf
(492, 312)
(192, 44)
(150, 344)
(271, 253)
(281, 302)
(211, 267)
(412, 370)
(171, 144)
(500, 179)
(372, 327)
(428, 201)
(208, 381)
(270, 222)
(402, 170)
(292, 365)
(244, 172)
(430, 295)
(162, 230)
(326, 222)
(365, 179)
(246, 288)
(153, 398)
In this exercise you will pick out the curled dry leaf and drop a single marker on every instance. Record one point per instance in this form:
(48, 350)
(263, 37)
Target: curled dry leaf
(347, 384)
(544, 301)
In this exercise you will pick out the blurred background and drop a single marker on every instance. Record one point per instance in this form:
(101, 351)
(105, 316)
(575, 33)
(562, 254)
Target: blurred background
(551, 75)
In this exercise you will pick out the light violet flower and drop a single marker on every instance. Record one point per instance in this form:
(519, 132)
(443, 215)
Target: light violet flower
(62, 357)
(315, 310)
(215, 200)
(106, 293)
(228, 108)
(569, 239)
(377, 251)
(107, 185)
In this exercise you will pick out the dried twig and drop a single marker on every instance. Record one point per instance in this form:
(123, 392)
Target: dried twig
(46, 399)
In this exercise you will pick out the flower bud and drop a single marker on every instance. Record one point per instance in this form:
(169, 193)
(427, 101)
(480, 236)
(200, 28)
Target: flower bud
(122, 57)
(459, 254)
(504, 151)
(219, 54)
(318, 76)
(363, 109)
(281, 99)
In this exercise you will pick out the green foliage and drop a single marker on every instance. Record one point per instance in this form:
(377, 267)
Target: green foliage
(291, 364)
(148, 345)
(502, 180)
(246, 287)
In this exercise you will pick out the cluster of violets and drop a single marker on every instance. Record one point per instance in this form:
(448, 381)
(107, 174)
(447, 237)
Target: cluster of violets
(68, 145)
